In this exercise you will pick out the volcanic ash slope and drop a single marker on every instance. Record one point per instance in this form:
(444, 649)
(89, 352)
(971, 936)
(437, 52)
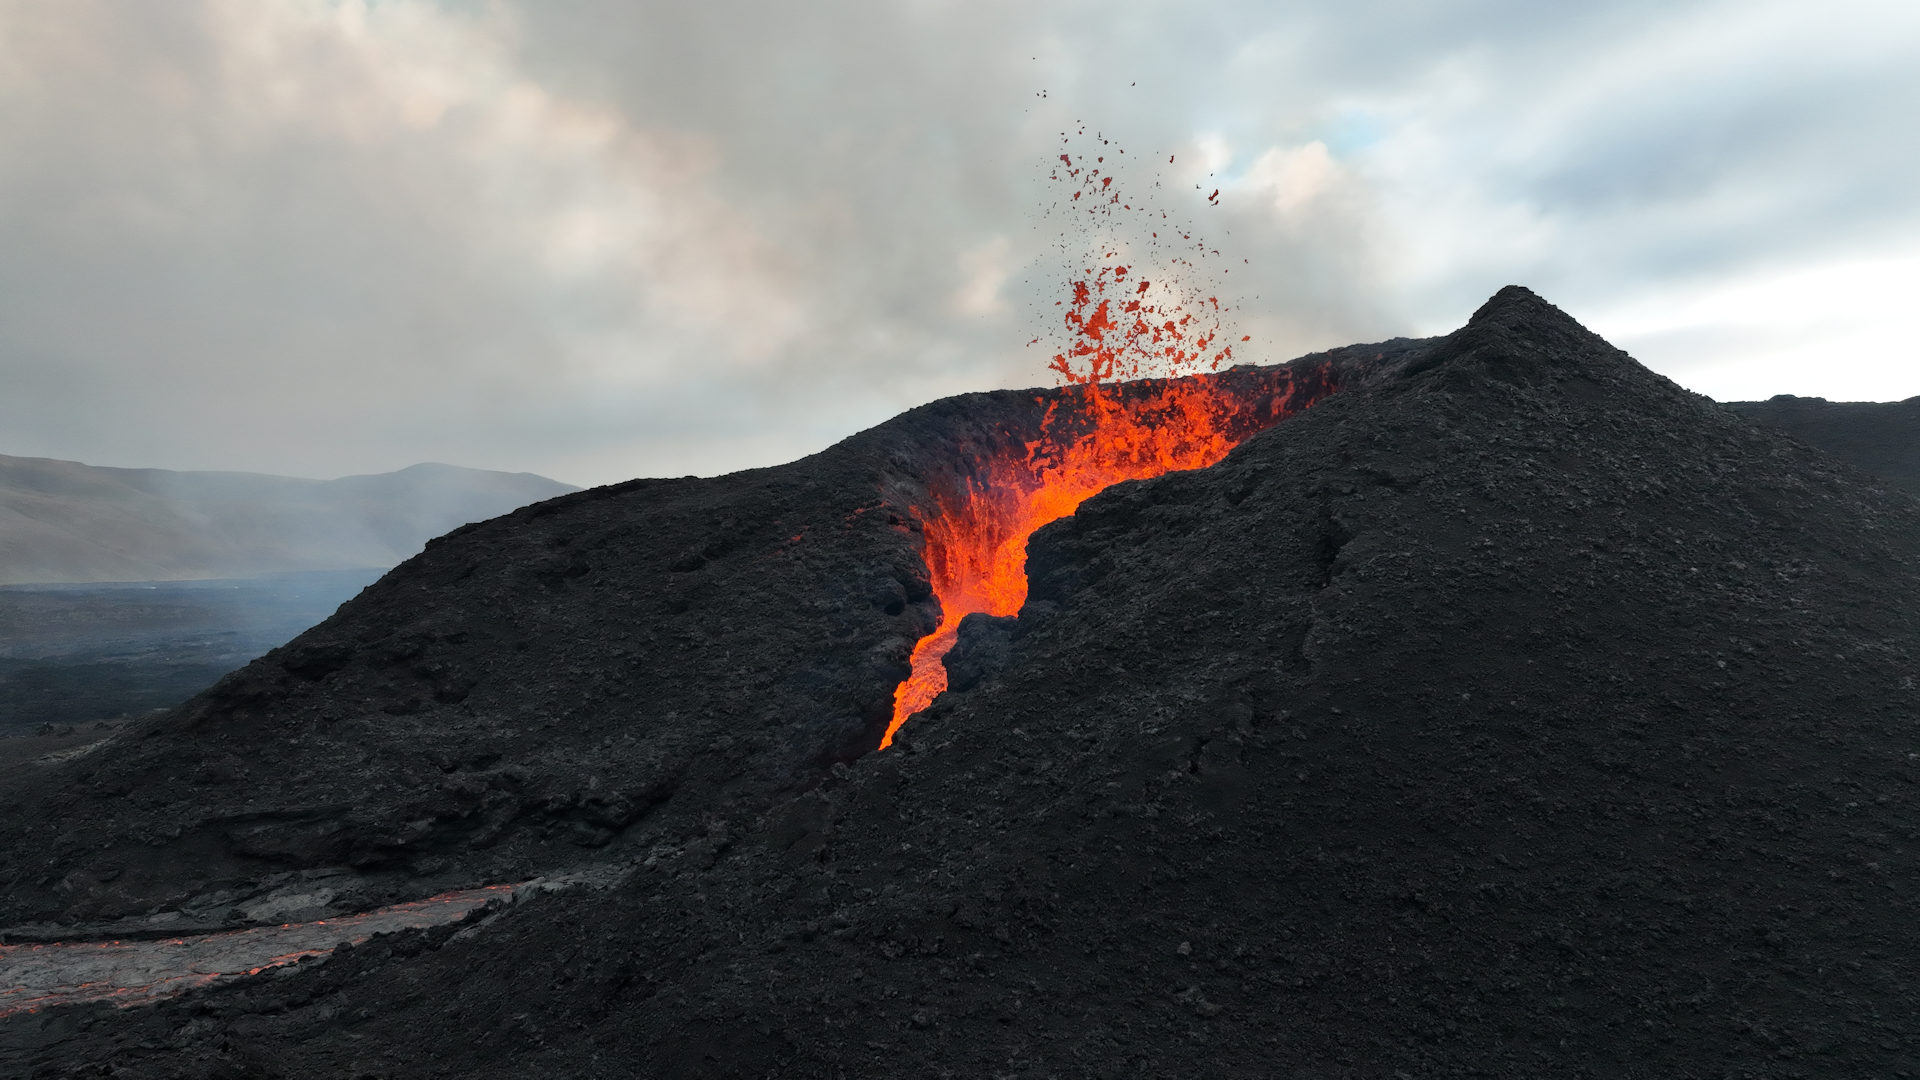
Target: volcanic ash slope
(580, 681)
(1882, 437)
(1522, 715)
(1528, 714)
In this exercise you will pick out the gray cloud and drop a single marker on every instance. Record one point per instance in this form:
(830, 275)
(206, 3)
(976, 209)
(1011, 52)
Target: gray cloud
(597, 239)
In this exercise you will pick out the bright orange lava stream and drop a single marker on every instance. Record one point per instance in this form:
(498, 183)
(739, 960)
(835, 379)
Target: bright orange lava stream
(976, 542)
(1120, 322)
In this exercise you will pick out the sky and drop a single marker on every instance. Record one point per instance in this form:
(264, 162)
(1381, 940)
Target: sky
(599, 239)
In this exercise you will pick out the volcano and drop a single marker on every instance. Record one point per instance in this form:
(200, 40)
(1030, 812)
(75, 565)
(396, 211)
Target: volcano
(1507, 711)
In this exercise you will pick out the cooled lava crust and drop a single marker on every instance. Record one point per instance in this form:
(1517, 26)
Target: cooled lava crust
(1882, 437)
(1513, 712)
(579, 681)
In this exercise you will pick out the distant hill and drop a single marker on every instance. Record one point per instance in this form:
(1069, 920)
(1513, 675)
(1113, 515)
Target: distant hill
(1881, 437)
(62, 521)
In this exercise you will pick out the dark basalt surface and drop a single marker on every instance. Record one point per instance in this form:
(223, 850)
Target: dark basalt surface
(1517, 713)
(1881, 437)
(576, 682)
(522, 693)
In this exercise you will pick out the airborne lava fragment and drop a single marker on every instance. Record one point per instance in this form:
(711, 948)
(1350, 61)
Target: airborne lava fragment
(1119, 324)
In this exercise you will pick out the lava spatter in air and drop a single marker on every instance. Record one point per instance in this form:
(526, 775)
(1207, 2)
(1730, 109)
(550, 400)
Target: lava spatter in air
(1136, 301)
(1123, 318)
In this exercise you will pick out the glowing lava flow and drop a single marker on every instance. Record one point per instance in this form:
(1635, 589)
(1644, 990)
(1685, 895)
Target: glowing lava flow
(1122, 319)
(1094, 436)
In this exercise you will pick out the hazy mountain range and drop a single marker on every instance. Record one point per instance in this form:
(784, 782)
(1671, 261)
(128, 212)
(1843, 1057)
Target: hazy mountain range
(62, 521)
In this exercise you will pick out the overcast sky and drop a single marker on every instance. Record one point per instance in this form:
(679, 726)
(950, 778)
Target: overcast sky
(598, 239)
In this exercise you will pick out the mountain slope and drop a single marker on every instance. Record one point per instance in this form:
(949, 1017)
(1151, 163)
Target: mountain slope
(1881, 437)
(61, 521)
(577, 681)
(1519, 713)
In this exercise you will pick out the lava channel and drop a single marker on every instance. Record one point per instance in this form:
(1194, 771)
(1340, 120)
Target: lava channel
(127, 973)
(1093, 435)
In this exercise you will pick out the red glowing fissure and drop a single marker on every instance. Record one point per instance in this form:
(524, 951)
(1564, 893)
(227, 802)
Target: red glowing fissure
(1119, 324)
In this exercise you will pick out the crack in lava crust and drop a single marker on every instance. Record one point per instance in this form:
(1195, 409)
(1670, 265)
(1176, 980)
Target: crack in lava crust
(1093, 436)
(128, 973)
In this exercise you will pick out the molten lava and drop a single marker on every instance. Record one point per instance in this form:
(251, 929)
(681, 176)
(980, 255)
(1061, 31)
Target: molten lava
(1093, 436)
(1119, 323)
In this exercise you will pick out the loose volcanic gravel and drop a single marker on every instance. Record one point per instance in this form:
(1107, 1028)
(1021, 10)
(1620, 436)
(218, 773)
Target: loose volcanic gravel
(1881, 437)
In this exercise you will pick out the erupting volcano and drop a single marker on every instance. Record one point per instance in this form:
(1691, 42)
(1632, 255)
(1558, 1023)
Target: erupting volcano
(1094, 436)
(1118, 323)
(1509, 712)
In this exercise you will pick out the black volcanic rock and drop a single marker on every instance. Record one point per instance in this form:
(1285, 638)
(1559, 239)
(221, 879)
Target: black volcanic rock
(1880, 437)
(1520, 714)
(576, 682)
(515, 698)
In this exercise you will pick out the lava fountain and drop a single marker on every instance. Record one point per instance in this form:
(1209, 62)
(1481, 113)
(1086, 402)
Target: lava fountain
(1094, 436)
(1096, 432)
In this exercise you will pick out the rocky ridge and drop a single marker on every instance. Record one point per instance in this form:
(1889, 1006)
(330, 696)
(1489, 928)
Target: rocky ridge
(1879, 437)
